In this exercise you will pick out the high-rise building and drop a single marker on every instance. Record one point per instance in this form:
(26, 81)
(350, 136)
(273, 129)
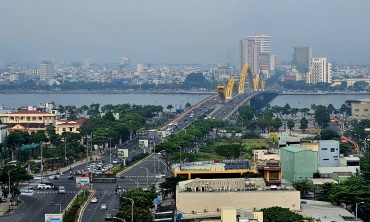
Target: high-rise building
(319, 71)
(264, 41)
(261, 60)
(47, 69)
(302, 58)
(87, 62)
(139, 68)
(249, 53)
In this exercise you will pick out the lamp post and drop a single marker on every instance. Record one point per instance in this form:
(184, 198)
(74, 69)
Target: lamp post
(56, 204)
(110, 150)
(9, 181)
(357, 206)
(42, 166)
(147, 176)
(180, 153)
(65, 147)
(132, 207)
(137, 182)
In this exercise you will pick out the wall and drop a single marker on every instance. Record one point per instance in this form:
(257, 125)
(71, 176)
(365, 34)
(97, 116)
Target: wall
(329, 153)
(187, 202)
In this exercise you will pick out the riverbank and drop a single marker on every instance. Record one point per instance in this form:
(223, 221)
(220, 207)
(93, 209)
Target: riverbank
(108, 92)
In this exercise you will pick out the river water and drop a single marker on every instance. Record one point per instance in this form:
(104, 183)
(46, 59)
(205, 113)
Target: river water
(295, 101)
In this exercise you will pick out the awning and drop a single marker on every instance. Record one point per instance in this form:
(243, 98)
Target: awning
(30, 146)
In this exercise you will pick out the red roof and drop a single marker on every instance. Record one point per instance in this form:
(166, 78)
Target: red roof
(30, 112)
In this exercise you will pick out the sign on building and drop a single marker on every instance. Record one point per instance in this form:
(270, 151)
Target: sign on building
(83, 182)
(53, 217)
(122, 153)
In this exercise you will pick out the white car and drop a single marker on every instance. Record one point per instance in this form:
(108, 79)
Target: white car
(115, 161)
(42, 186)
(103, 207)
(94, 200)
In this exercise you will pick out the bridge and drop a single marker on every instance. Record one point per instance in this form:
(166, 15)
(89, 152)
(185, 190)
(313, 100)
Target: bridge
(226, 91)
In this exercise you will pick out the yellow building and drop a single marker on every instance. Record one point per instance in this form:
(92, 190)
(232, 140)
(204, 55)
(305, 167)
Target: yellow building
(28, 120)
(71, 126)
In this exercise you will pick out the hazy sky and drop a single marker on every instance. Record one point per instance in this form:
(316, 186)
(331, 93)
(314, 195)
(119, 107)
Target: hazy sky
(180, 31)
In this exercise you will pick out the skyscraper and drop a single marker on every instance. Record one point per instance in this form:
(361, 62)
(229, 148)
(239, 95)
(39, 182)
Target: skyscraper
(264, 41)
(249, 53)
(320, 71)
(259, 60)
(47, 69)
(302, 58)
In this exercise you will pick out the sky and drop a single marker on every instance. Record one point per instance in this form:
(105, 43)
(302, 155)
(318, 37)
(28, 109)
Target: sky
(180, 31)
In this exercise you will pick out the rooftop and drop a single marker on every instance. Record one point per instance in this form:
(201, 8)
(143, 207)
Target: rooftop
(321, 181)
(293, 149)
(325, 211)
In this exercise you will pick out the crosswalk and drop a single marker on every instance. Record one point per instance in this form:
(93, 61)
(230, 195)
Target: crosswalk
(102, 192)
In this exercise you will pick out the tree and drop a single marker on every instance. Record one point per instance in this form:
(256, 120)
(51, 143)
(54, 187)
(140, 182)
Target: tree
(322, 117)
(276, 124)
(290, 124)
(360, 85)
(304, 111)
(169, 107)
(304, 186)
(15, 140)
(187, 106)
(230, 151)
(17, 174)
(279, 214)
(196, 80)
(329, 135)
(108, 116)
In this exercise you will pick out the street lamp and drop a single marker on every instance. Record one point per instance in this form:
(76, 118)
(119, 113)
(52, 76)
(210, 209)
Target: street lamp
(65, 147)
(147, 176)
(137, 182)
(110, 150)
(357, 206)
(132, 207)
(9, 181)
(56, 204)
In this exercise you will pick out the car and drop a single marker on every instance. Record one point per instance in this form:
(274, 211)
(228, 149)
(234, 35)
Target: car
(94, 200)
(109, 166)
(42, 186)
(70, 177)
(115, 161)
(62, 190)
(108, 217)
(103, 207)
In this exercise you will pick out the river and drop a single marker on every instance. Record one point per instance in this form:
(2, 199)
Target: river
(295, 101)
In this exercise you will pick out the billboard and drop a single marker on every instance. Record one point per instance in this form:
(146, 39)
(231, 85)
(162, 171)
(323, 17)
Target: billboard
(82, 182)
(143, 143)
(122, 153)
(53, 217)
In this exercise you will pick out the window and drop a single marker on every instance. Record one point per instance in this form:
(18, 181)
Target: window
(324, 148)
(325, 159)
(335, 156)
(64, 129)
(366, 110)
(357, 110)
(332, 149)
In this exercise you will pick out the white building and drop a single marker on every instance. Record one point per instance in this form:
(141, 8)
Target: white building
(47, 69)
(249, 53)
(329, 153)
(320, 71)
(264, 41)
(139, 68)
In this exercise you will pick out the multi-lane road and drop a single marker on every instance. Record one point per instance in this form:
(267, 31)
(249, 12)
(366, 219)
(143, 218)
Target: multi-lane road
(141, 175)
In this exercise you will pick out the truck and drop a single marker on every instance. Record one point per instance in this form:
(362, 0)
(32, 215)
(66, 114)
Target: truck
(104, 178)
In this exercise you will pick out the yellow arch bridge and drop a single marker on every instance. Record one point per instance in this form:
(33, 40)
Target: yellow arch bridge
(255, 84)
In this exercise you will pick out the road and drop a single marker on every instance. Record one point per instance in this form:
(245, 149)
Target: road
(36, 206)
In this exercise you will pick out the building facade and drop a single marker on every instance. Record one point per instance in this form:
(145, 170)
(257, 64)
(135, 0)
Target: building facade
(47, 69)
(329, 153)
(264, 42)
(249, 54)
(320, 71)
(28, 120)
(302, 58)
(298, 163)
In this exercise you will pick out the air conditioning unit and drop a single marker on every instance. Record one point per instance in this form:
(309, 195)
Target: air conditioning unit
(193, 211)
(218, 209)
(205, 210)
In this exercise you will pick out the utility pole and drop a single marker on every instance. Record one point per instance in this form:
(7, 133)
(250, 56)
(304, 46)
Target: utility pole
(42, 166)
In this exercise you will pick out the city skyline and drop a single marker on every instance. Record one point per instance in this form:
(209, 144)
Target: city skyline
(179, 32)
